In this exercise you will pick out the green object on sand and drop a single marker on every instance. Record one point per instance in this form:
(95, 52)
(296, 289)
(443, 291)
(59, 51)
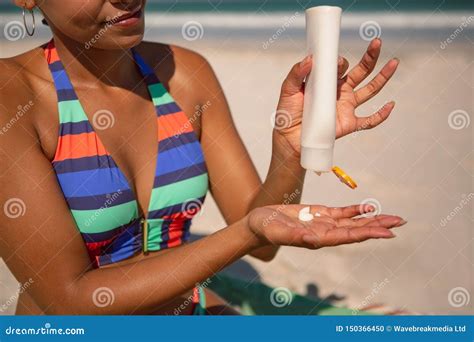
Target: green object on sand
(256, 298)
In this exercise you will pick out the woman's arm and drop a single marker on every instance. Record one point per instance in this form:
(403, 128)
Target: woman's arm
(39, 240)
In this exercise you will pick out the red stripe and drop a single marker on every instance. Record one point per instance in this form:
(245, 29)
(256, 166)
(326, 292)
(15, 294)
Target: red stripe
(51, 53)
(79, 146)
(173, 124)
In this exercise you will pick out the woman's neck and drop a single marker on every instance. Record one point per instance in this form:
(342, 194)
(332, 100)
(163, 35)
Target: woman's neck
(95, 67)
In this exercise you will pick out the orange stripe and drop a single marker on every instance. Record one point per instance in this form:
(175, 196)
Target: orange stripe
(173, 124)
(79, 146)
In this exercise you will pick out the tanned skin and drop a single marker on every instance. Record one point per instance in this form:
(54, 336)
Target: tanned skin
(45, 245)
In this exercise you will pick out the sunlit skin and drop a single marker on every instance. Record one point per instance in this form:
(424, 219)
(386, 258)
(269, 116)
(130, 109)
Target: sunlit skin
(44, 243)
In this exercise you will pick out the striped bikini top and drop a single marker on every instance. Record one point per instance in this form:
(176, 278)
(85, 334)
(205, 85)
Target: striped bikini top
(98, 194)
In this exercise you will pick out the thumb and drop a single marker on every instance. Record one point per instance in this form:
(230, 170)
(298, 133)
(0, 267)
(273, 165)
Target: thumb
(294, 81)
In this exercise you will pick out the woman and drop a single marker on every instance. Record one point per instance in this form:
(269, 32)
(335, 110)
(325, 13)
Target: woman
(106, 211)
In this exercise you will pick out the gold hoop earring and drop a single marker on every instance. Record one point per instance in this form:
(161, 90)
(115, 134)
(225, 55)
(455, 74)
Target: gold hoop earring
(24, 22)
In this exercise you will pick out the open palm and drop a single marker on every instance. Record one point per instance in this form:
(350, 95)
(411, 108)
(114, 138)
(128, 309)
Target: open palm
(289, 113)
(279, 225)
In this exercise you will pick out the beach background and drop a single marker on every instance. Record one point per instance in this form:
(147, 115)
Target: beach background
(418, 164)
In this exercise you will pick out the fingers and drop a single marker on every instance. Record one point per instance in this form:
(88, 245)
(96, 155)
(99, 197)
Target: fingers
(294, 81)
(342, 66)
(341, 236)
(366, 65)
(377, 118)
(361, 234)
(385, 221)
(348, 212)
(377, 83)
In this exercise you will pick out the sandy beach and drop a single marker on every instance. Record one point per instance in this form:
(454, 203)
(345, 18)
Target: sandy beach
(418, 164)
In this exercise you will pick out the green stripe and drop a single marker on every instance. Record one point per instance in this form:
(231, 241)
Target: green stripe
(179, 192)
(155, 227)
(159, 94)
(71, 111)
(104, 219)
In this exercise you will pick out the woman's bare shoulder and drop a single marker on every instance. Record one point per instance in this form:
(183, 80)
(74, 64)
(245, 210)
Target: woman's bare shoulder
(19, 79)
(176, 65)
(19, 73)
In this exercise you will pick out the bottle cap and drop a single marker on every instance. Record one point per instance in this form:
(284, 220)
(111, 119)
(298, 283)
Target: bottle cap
(344, 178)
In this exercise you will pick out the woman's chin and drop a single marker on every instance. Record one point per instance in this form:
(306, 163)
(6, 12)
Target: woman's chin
(120, 42)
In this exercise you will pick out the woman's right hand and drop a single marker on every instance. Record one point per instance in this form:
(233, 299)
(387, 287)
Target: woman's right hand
(279, 225)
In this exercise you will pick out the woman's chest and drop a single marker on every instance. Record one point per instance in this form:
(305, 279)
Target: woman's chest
(126, 122)
(126, 144)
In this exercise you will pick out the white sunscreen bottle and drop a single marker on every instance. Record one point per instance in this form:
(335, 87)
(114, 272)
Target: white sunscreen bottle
(323, 25)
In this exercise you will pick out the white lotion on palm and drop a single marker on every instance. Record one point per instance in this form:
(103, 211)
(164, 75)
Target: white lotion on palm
(323, 25)
(305, 215)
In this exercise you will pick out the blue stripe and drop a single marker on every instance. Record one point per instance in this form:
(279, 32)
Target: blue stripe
(186, 230)
(73, 128)
(165, 234)
(168, 108)
(61, 80)
(66, 95)
(133, 227)
(127, 244)
(92, 182)
(179, 158)
(151, 79)
(56, 66)
(100, 201)
(124, 246)
(144, 67)
(179, 175)
(175, 141)
(83, 164)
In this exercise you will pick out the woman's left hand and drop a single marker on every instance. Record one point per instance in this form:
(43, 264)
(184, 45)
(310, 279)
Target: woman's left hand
(289, 112)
